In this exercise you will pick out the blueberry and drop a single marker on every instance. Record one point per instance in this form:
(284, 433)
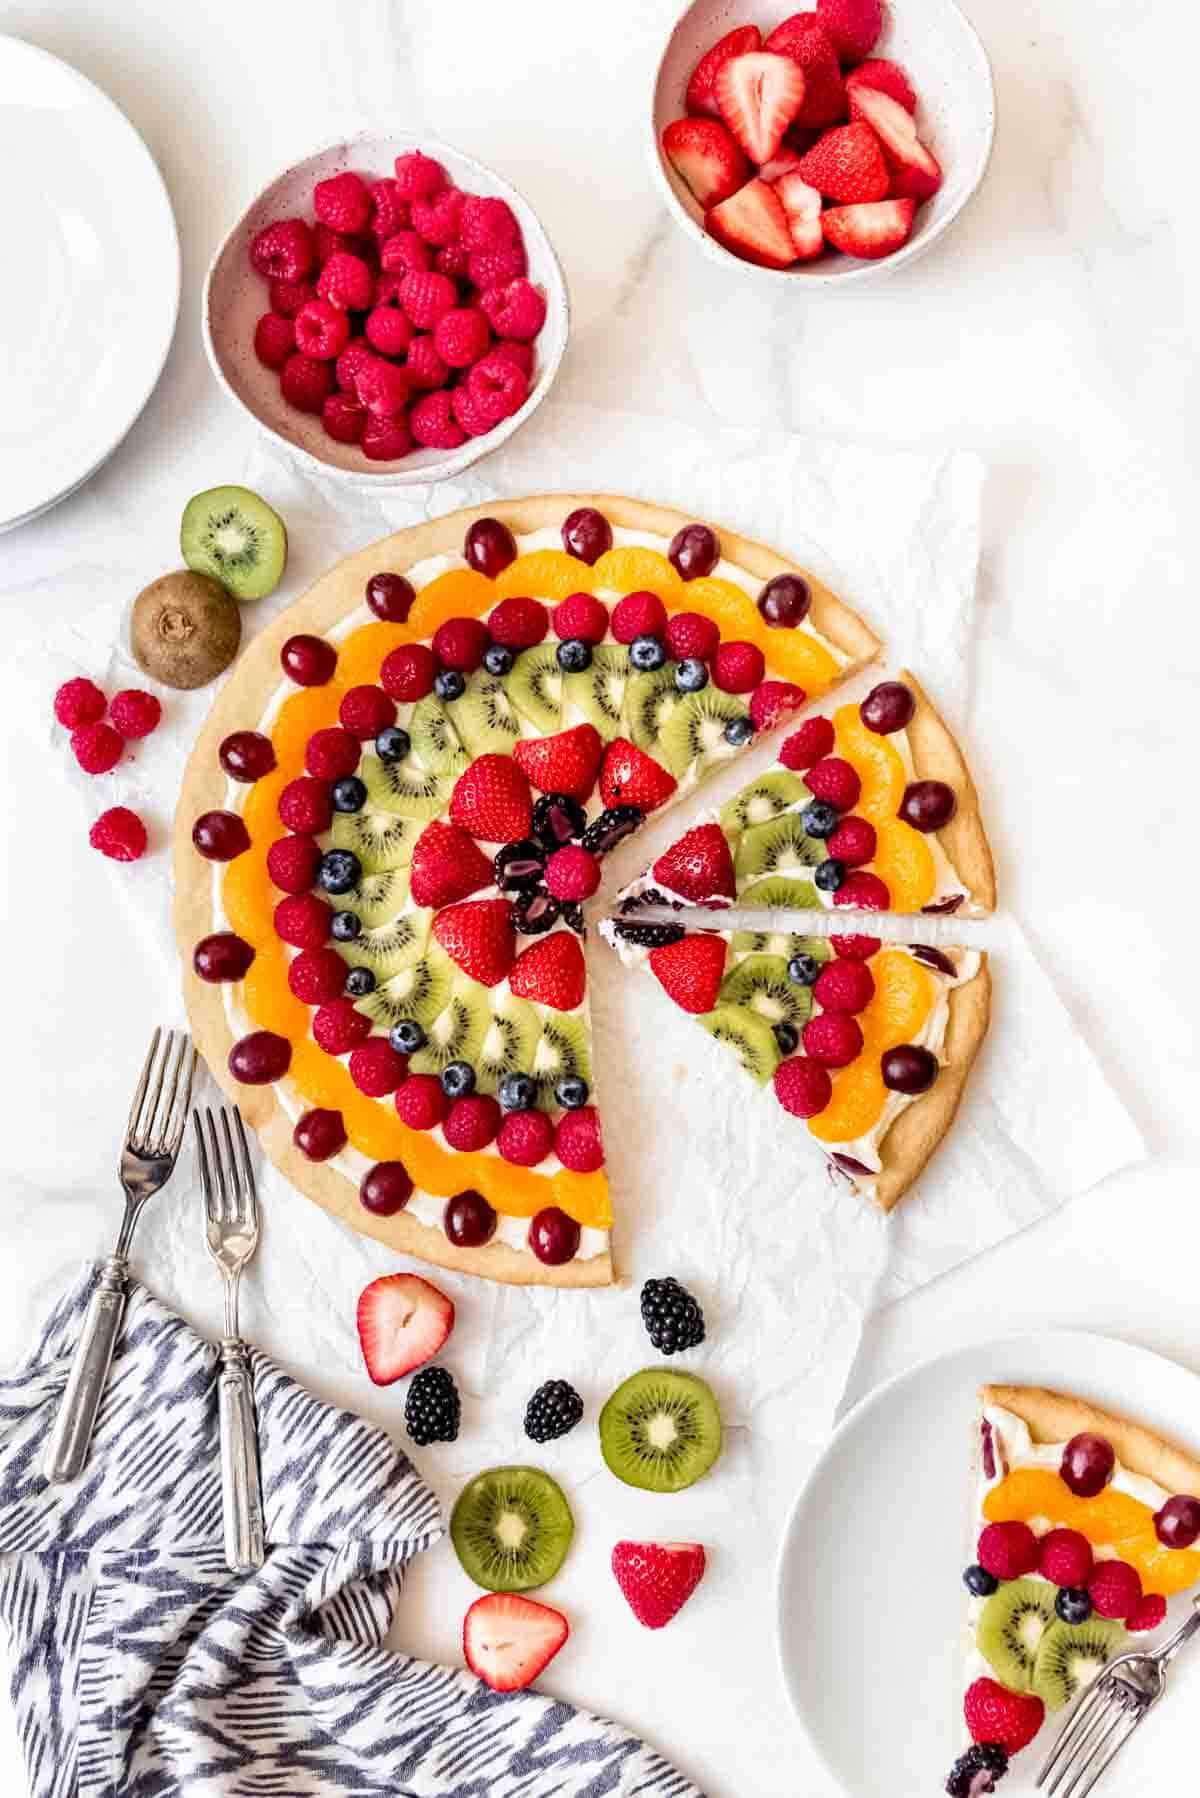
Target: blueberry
(1073, 1604)
(829, 875)
(691, 675)
(349, 794)
(360, 982)
(392, 744)
(517, 1092)
(802, 970)
(449, 684)
(344, 926)
(739, 731)
(498, 659)
(571, 1092)
(406, 1037)
(338, 871)
(458, 1079)
(979, 1581)
(819, 818)
(574, 655)
(786, 1035)
(646, 654)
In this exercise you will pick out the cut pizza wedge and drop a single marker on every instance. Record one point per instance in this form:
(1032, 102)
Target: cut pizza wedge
(1082, 1528)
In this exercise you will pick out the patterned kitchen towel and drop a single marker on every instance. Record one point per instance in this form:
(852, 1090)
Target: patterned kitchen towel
(141, 1667)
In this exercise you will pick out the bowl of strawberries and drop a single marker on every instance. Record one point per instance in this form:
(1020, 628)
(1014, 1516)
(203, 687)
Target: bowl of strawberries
(820, 146)
(388, 310)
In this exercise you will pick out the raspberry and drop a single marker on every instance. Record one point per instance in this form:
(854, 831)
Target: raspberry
(1115, 1589)
(1007, 1550)
(738, 667)
(427, 297)
(375, 1067)
(525, 1138)
(809, 744)
(438, 219)
(863, 892)
(433, 423)
(284, 251)
(306, 807)
(79, 702)
(1009, 1720)
(453, 259)
(473, 421)
(292, 863)
(488, 223)
(833, 1039)
(848, 986)
(287, 297)
(389, 209)
(274, 340)
(418, 177)
(343, 418)
(581, 615)
(577, 1142)
(350, 364)
(1148, 1614)
(1064, 1556)
(135, 713)
(421, 1103)
(321, 330)
(331, 753)
(385, 439)
(853, 842)
(383, 388)
(571, 873)
(405, 253)
(802, 1086)
(460, 643)
(343, 202)
(835, 781)
(856, 947)
(338, 1027)
(408, 673)
(329, 242)
(498, 388)
(638, 615)
(472, 1123)
(388, 330)
(515, 310)
(303, 921)
(316, 975)
(119, 834)
(462, 336)
(96, 747)
(365, 711)
(518, 623)
(424, 366)
(496, 268)
(346, 282)
(305, 383)
(773, 700)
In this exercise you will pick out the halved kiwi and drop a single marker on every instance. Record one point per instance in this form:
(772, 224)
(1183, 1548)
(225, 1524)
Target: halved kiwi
(761, 800)
(650, 699)
(535, 686)
(484, 717)
(598, 692)
(418, 992)
(765, 895)
(237, 538)
(1070, 1655)
(750, 1037)
(380, 840)
(510, 1042)
(511, 1528)
(776, 846)
(562, 1049)
(1011, 1626)
(435, 741)
(184, 630)
(695, 731)
(405, 788)
(661, 1430)
(457, 1031)
(761, 983)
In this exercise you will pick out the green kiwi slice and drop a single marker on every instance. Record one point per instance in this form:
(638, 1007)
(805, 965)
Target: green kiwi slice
(435, 741)
(484, 717)
(766, 895)
(762, 800)
(1070, 1655)
(418, 992)
(749, 1035)
(390, 947)
(598, 693)
(776, 847)
(456, 1033)
(380, 840)
(535, 686)
(1011, 1626)
(650, 699)
(511, 1528)
(377, 898)
(562, 1049)
(237, 538)
(661, 1430)
(510, 1043)
(405, 788)
(695, 731)
(761, 984)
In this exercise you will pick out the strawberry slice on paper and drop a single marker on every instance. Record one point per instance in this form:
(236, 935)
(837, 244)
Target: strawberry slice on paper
(508, 1640)
(759, 95)
(658, 1578)
(402, 1322)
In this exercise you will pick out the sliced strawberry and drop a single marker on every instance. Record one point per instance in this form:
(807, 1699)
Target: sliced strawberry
(703, 154)
(447, 865)
(802, 209)
(869, 232)
(491, 800)
(759, 95)
(508, 1640)
(754, 226)
(783, 164)
(700, 94)
(479, 937)
(699, 866)
(402, 1322)
(566, 763)
(628, 776)
(658, 1578)
(690, 971)
(551, 972)
(887, 76)
(847, 166)
(802, 38)
(915, 171)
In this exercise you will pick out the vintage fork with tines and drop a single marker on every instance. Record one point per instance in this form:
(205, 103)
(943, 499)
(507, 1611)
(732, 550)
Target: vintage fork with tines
(231, 1231)
(1108, 1713)
(152, 1137)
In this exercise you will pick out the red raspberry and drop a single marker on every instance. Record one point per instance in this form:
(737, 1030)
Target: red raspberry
(462, 336)
(365, 711)
(496, 268)
(833, 1039)
(571, 873)
(329, 242)
(292, 863)
(1064, 1557)
(385, 439)
(79, 702)
(1146, 1615)
(525, 1138)
(802, 1086)
(427, 297)
(303, 921)
(773, 700)
(844, 986)
(638, 615)
(581, 615)
(460, 643)
(284, 251)
(331, 753)
(389, 209)
(498, 388)
(388, 330)
(421, 1103)
(338, 1027)
(488, 223)
(690, 634)
(321, 330)
(408, 673)
(472, 1123)
(1115, 1589)
(453, 259)
(738, 667)
(518, 623)
(473, 421)
(343, 202)
(274, 340)
(1007, 1550)
(316, 975)
(515, 310)
(835, 781)
(346, 282)
(577, 1143)
(856, 947)
(809, 744)
(863, 892)
(119, 834)
(433, 423)
(994, 1714)
(96, 747)
(305, 383)
(438, 219)
(522, 354)
(343, 418)
(350, 364)
(375, 1067)
(418, 177)
(305, 806)
(383, 388)
(853, 842)
(287, 297)
(404, 253)
(423, 365)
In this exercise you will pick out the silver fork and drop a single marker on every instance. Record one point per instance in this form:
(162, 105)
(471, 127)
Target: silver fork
(1108, 1713)
(152, 1137)
(231, 1231)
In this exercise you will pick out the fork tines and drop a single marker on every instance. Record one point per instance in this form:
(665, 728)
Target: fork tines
(1094, 1737)
(226, 1174)
(156, 1122)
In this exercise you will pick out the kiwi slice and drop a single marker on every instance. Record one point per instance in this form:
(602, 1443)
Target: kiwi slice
(237, 538)
(765, 895)
(419, 991)
(435, 742)
(695, 731)
(562, 1049)
(762, 800)
(511, 1528)
(405, 788)
(535, 686)
(650, 699)
(510, 1043)
(456, 1033)
(661, 1430)
(388, 948)
(598, 693)
(1011, 1626)
(377, 898)
(761, 983)
(483, 717)
(776, 847)
(748, 1033)
(380, 840)
(1070, 1655)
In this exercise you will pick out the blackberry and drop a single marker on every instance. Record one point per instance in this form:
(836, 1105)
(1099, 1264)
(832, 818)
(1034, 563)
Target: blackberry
(519, 866)
(986, 1758)
(647, 936)
(572, 916)
(534, 913)
(673, 1319)
(554, 1409)
(432, 1408)
(611, 827)
(557, 819)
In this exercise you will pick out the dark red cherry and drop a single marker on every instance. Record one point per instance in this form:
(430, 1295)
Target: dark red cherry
(247, 755)
(319, 1134)
(386, 1188)
(309, 661)
(694, 552)
(222, 957)
(784, 602)
(390, 597)
(909, 1069)
(469, 1220)
(259, 1058)
(219, 836)
(553, 1236)
(933, 958)
(489, 547)
(887, 707)
(928, 804)
(586, 534)
(1087, 1464)
(1177, 1525)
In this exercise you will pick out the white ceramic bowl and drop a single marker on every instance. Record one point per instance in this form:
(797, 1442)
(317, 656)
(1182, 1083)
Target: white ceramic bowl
(946, 63)
(235, 297)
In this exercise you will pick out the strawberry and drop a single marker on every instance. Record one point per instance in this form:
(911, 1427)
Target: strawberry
(852, 26)
(700, 89)
(566, 763)
(479, 937)
(658, 1578)
(759, 95)
(783, 164)
(699, 866)
(491, 800)
(847, 165)
(508, 1640)
(802, 39)
(551, 972)
(884, 75)
(447, 865)
(628, 776)
(869, 231)
(754, 226)
(690, 970)
(802, 209)
(703, 154)
(914, 170)
(994, 1714)
(402, 1321)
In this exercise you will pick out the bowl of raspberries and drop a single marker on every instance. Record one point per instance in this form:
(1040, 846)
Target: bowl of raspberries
(389, 310)
(820, 146)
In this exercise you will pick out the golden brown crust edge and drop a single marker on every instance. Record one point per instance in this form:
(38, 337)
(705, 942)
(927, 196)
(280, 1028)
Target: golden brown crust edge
(1057, 1416)
(936, 756)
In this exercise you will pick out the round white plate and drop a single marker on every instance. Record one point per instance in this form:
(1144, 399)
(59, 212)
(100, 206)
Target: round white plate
(88, 307)
(870, 1601)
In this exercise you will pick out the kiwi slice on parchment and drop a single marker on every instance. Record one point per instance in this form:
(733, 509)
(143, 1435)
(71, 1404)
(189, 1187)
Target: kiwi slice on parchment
(511, 1528)
(661, 1430)
(237, 538)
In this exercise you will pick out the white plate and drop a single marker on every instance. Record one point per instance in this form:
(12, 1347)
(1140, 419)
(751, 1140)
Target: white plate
(88, 308)
(869, 1598)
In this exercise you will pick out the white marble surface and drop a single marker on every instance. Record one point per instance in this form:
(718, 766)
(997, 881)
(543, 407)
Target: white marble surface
(1053, 332)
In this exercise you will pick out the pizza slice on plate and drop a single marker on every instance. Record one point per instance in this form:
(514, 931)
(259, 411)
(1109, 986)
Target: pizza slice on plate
(1082, 1528)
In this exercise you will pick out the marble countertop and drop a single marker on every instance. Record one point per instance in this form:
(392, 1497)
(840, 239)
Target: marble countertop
(1053, 331)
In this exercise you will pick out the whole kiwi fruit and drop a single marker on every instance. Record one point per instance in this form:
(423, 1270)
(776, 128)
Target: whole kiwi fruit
(185, 629)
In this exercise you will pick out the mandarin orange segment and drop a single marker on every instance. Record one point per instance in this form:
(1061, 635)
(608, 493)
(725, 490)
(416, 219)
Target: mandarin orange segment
(1165, 1570)
(459, 593)
(1110, 1520)
(320, 1077)
(269, 999)
(545, 574)
(365, 650)
(1031, 1492)
(904, 862)
(300, 715)
(904, 996)
(247, 897)
(859, 1097)
(373, 1129)
(635, 570)
(260, 814)
(727, 605)
(584, 1197)
(878, 765)
(1114, 1517)
(799, 657)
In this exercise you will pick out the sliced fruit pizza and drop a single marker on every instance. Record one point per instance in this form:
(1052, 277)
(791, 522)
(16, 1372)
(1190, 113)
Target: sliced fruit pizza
(870, 809)
(1083, 1526)
(395, 814)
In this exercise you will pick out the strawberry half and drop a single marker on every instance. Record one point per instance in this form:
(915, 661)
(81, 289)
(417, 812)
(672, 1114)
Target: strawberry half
(802, 38)
(628, 776)
(869, 231)
(887, 76)
(658, 1578)
(447, 865)
(915, 171)
(700, 89)
(566, 763)
(402, 1322)
(479, 937)
(551, 971)
(847, 166)
(491, 800)
(759, 95)
(754, 226)
(508, 1640)
(699, 866)
(703, 154)
(690, 971)
(802, 209)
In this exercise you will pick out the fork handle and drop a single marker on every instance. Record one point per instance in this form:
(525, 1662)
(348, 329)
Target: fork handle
(241, 1488)
(71, 1436)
